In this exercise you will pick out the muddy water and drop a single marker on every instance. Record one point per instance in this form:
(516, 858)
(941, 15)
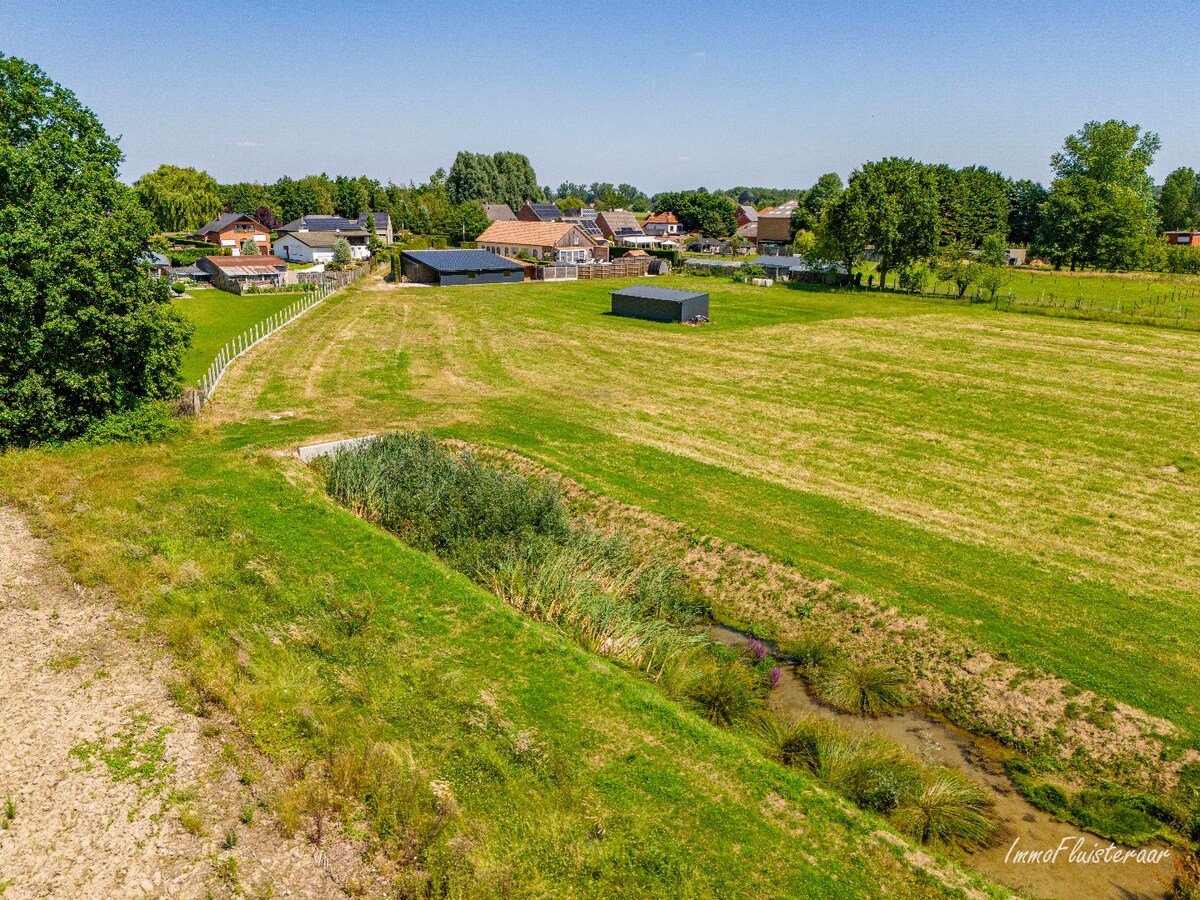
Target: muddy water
(1021, 822)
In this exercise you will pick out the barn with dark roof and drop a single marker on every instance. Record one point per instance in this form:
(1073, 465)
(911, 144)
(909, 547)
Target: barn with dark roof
(450, 267)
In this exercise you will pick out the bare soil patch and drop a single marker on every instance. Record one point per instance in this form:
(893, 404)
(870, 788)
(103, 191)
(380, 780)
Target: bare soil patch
(115, 792)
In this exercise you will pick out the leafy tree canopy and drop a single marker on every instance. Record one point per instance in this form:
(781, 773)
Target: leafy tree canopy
(179, 199)
(1179, 201)
(85, 331)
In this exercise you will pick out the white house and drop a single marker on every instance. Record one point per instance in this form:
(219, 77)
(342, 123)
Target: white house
(318, 246)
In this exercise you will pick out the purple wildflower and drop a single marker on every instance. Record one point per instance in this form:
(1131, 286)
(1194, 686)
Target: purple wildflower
(776, 674)
(758, 649)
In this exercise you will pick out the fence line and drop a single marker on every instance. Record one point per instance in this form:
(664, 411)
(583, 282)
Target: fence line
(258, 333)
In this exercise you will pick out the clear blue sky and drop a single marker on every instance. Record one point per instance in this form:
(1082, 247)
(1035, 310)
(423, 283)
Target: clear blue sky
(665, 96)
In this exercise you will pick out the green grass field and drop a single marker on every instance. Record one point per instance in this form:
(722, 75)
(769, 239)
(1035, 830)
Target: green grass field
(218, 317)
(1027, 481)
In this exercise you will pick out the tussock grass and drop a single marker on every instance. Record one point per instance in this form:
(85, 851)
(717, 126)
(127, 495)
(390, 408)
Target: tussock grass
(946, 810)
(867, 688)
(932, 805)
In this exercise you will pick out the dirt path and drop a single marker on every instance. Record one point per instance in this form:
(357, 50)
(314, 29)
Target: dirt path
(107, 789)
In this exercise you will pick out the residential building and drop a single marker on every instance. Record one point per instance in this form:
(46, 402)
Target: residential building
(746, 214)
(318, 223)
(539, 212)
(499, 212)
(775, 228)
(319, 246)
(748, 232)
(710, 245)
(615, 223)
(587, 225)
(1183, 238)
(230, 229)
(559, 242)
(235, 273)
(380, 223)
(452, 267)
(662, 224)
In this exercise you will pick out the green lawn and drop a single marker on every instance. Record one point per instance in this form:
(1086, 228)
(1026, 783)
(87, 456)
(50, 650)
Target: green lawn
(1027, 481)
(218, 317)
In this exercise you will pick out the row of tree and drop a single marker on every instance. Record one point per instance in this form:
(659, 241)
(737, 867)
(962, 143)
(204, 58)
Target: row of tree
(1099, 211)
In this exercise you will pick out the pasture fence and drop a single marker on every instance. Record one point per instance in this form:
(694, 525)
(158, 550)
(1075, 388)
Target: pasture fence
(195, 398)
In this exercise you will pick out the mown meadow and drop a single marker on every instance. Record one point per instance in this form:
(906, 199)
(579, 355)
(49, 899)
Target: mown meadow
(1026, 481)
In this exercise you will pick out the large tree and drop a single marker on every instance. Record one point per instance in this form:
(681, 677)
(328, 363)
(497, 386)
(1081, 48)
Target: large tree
(1179, 202)
(1101, 209)
(973, 204)
(350, 197)
(900, 200)
(1025, 199)
(179, 199)
(713, 215)
(841, 235)
(85, 331)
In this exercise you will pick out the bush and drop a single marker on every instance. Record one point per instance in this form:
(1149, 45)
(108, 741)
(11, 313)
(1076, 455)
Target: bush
(178, 287)
(812, 651)
(144, 424)
(866, 688)
(1183, 260)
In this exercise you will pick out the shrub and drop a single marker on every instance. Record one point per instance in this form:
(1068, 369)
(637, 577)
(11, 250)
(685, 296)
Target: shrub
(144, 424)
(794, 742)
(946, 810)
(178, 287)
(866, 688)
(1186, 883)
(1183, 260)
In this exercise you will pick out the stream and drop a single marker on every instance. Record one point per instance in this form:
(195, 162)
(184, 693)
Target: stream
(1020, 821)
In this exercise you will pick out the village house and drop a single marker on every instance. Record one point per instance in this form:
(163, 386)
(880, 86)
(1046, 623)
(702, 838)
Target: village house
(499, 212)
(236, 273)
(318, 223)
(380, 223)
(775, 228)
(228, 230)
(559, 242)
(745, 214)
(617, 223)
(1183, 238)
(539, 212)
(663, 224)
(319, 246)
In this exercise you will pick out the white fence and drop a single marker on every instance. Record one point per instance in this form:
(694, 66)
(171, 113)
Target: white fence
(263, 330)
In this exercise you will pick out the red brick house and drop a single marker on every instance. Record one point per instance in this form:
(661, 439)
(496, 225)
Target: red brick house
(230, 229)
(1183, 238)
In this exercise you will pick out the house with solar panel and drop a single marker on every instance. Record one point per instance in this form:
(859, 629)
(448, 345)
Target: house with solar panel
(563, 243)
(319, 223)
(618, 223)
(320, 246)
(458, 267)
(539, 212)
(380, 223)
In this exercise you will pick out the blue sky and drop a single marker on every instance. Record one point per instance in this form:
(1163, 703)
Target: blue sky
(665, 96)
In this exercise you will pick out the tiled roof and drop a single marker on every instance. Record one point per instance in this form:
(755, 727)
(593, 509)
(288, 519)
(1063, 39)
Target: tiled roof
(446, 261)
(663, 218)
(224, 221)
(499, 212)
(528, 234)
(619, 220)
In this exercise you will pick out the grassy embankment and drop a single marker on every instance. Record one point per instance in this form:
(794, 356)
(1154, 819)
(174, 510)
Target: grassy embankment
(490, 751)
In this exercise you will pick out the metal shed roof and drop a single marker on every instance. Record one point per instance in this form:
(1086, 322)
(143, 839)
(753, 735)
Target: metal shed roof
(657, 293)
(449, 261)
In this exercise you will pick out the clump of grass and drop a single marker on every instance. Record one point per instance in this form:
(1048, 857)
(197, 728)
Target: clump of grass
(866, 688)
(10, 813)
(1186, 883)
(230, 840)
(246, 816)
(722, 693)
(191, 821)
(946, 810)
(812, 651)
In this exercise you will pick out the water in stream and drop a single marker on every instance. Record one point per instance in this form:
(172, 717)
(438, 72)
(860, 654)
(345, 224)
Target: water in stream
(1020, 821)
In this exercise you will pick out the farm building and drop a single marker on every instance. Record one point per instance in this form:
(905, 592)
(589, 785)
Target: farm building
(660, 304)
(1182, 238)
(448, 267)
